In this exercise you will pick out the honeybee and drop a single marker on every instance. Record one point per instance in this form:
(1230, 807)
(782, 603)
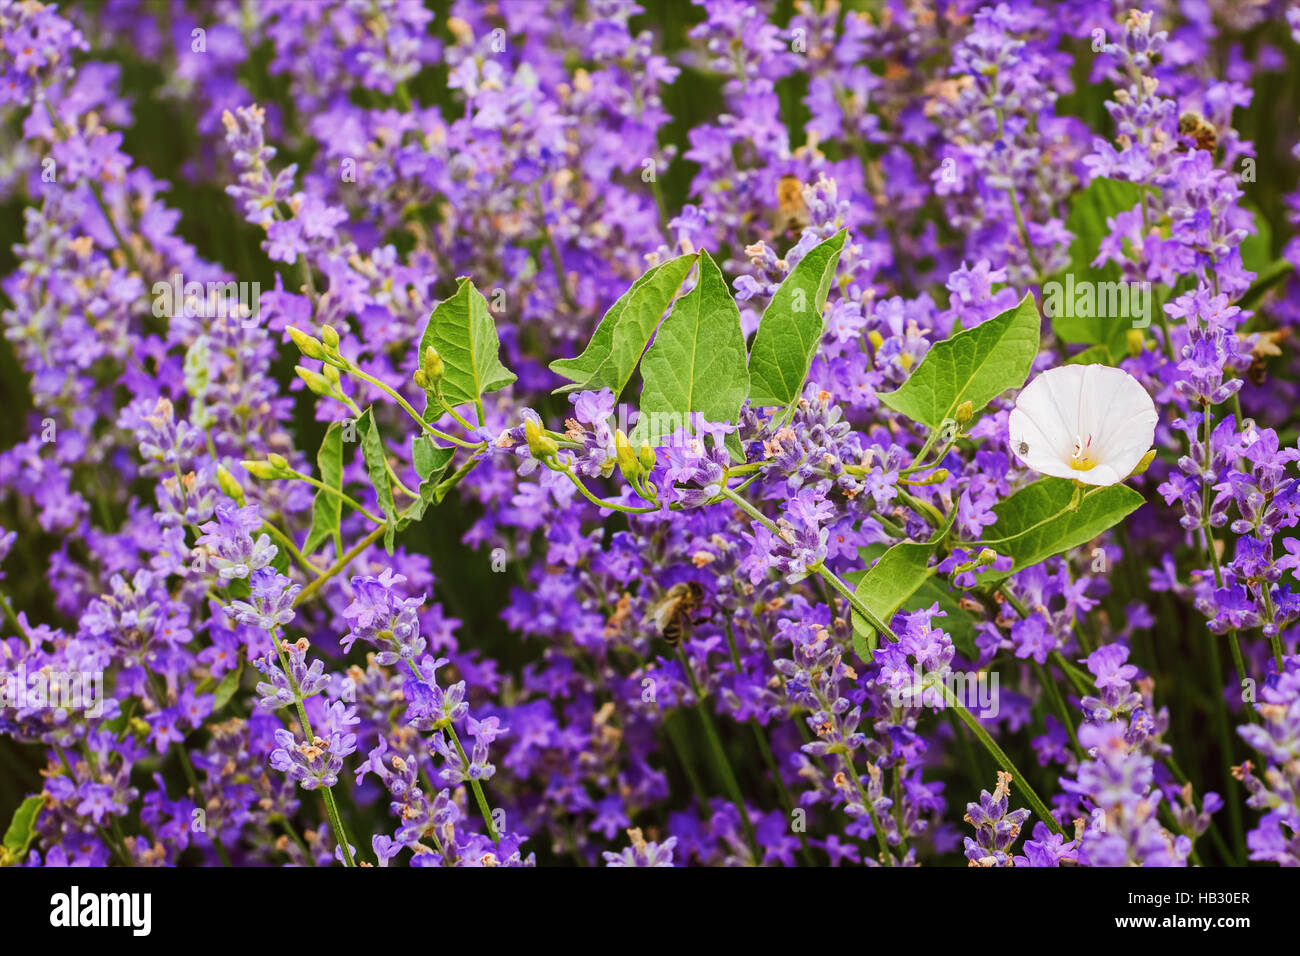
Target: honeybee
(1267, 345)
(791, 211)
(672, 612)
(1200, 129)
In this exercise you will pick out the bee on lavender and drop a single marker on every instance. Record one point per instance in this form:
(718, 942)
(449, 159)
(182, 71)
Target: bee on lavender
(672, 613)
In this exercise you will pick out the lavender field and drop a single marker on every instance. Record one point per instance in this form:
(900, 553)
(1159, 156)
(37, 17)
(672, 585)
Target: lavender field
(719, 433)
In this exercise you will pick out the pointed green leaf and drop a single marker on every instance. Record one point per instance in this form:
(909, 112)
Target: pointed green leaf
(791, 328)
(229, 684)
(372, 449)
(1052, 516)
(465, 336)
(431, 462)
(327, 509)
(616, 346)
(735, 449)
(697, 361)
(22, 828)
(973, 366)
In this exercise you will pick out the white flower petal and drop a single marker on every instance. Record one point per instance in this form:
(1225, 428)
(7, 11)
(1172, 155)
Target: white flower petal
(1035, 447)
(1093, 415)
(1048, 401)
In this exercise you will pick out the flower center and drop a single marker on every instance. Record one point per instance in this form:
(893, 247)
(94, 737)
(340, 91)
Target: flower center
(1081, 459)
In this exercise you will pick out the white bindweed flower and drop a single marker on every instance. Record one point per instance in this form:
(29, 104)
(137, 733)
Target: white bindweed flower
(1089, 422)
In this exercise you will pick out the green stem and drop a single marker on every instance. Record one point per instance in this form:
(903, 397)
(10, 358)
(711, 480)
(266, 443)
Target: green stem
(1275, 639)
(338, 566)
(98, 193)
(867, 614)
(826, 573)
(446, 485)
(336, 822)
(331, 809)
(289, 546)
(600, 502)
(1077, 677)
(455, 414)
(11, 617)
(479, 797)
(679, 747)
(114, 839)
(1000, 758)
(765, 749)
(1057, 701)
(287, 827)
(342, 496)
(721, 761)
(160, 698)
(886, 855)
(406, 407)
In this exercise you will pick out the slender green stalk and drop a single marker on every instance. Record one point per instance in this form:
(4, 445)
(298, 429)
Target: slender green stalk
(886, 855)
(765, 749)
(337, 567)
(600, 502)
(1222, 723)
(868, 615)
(1270, 620)
(293, 835)
(1216, 836)
(1054, 697)
(331, 809)
(406, 407)
(290, 547)
(446, 485)
(479, 797)
(721, 761)
(1077, 677)
(113, 840)
(343, 497)
(693, 778)
(159, 693)
(1003, 761)
(11, 617)
(967, 717)
(336, 823)
(455, 414)
(826, 573)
